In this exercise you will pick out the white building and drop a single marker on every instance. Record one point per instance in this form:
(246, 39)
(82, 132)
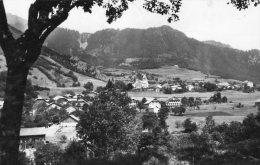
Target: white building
(223, 85)
(190, 87)
(173, 102)
(141, 83)
(249, 83)
(175, 87)
(153, 105)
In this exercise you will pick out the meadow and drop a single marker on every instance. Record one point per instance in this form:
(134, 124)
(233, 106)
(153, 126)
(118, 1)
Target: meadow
(225, 112)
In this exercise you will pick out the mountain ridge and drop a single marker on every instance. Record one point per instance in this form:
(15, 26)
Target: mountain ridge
(156, 47)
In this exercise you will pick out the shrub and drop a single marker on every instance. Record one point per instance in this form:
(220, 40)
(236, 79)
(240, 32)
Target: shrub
(189, 126)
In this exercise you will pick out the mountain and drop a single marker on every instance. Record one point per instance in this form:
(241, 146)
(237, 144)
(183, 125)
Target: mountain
(62, 40)
(153, 48)
(156, 47)
(53, 69)
(219, 44)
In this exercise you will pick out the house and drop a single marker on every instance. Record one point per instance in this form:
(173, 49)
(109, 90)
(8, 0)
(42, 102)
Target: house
(190, 87)
(28, 136)
(199, 80)
(133, 103)
(68, 95)
(53, 106)
(175, 87)
(153, 105)
(70, 109)
(173, 102)
(60, 100)
(158, 88)
(248, 83)
(71, 121)
(224, 85)
(257, 103)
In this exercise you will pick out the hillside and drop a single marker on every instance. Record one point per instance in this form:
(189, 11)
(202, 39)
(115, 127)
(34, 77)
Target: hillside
(55, 70)
(156, 47)
(153, 48)
(64, 41)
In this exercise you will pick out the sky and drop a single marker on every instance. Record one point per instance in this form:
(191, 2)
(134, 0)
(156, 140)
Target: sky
(199, 19)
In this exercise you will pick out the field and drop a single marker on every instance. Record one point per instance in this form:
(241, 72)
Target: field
(169, 72)
(221, 112)
(234, 96)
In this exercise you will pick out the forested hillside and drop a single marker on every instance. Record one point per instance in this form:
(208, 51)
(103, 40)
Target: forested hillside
(155, 47)
(53, 69)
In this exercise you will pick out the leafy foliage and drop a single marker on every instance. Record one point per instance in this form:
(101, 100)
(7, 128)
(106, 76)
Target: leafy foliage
(189, 126)
(108, 124)
(47, 154)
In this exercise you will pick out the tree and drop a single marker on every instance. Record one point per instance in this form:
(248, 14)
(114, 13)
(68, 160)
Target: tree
(210, 86)
(224, 99)
(129, 86)
(120, 85)
(47, 154)
(189, 126)
(89, 86)
(74, 154)
(108, 124)
(162, 116)
(22, 52)
(184, 101)
(150, 121)
(140, 104)
(110, 84)
(179, 110)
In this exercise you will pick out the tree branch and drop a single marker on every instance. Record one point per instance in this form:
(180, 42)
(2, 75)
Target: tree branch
(5, 34)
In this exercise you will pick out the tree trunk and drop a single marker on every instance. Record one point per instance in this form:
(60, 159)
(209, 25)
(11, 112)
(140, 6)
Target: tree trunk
(11, 113)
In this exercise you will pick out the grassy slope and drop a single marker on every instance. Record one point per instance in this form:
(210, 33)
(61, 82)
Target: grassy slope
(43, 81)
(182, 73)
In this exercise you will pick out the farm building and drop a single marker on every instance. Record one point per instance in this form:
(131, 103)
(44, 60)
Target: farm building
(28, 136)
(173, 102)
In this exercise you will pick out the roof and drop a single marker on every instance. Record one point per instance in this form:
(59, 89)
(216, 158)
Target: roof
(173, 98)
(151, 100)
(74, 117)
(33, 131)
(71, 116)
(58, 97)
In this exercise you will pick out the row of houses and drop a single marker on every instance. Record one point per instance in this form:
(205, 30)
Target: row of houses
(68, 102)
(192, 85)
(154, 104)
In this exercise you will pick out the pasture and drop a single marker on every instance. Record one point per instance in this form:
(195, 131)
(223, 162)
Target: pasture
(221, 112)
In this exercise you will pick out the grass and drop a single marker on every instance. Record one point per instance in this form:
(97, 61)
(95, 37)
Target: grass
(168, 72)
(205, 114)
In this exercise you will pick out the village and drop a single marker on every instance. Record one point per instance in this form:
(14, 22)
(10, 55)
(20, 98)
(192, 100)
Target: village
(181, 97)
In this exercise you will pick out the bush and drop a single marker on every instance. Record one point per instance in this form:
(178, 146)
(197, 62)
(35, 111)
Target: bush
(189, 126)
(63, 138)
(47, 154)
(89, 86)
